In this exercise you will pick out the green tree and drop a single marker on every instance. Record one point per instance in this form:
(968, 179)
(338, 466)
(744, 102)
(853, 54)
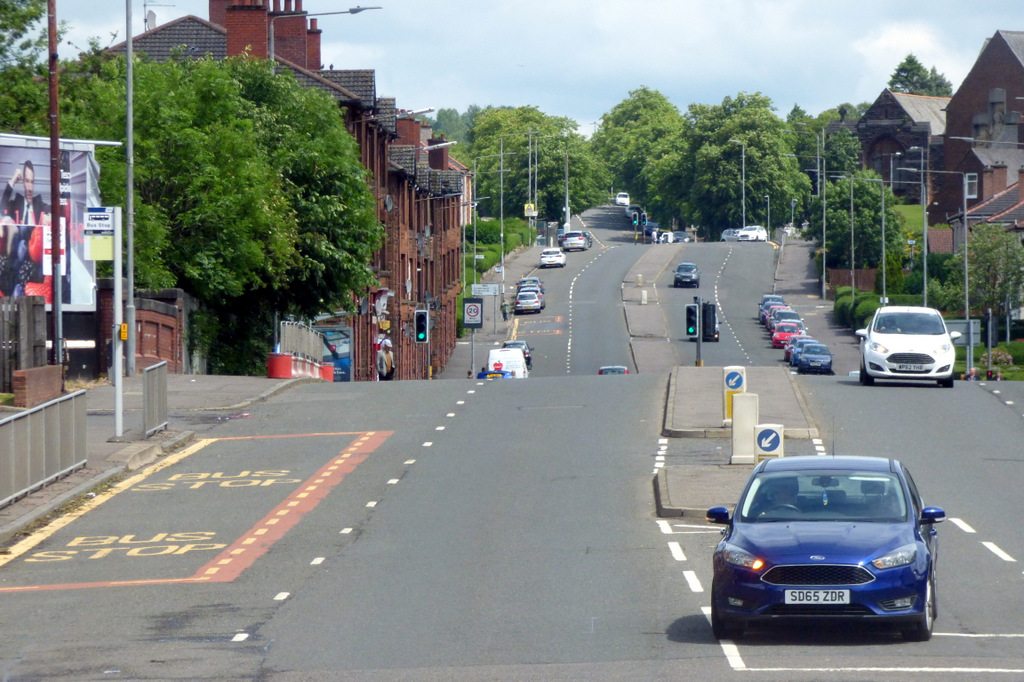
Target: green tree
(912, 78)
(510, 131)
(24, 97)
(632, 137)
(700, 175)
(996, 263)
(865, 194)
(249, 193)
(842, 152)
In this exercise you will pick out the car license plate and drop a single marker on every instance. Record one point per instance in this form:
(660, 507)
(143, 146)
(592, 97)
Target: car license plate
(909, 368)
(817, 596)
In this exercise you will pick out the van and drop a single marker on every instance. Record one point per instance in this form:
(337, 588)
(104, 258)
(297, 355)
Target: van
(509, 360)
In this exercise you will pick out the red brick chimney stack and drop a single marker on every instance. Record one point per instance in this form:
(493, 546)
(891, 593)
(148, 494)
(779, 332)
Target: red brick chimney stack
(247, 26)
(313, 46)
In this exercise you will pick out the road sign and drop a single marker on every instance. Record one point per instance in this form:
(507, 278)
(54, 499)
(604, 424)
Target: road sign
(485, 290)
(961, 326)
(473, 313)
(734, 381)
(530, 211)
(768, 441)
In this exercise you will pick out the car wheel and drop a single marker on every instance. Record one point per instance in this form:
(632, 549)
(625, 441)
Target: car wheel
(865, 378)
(719, 628)
(946, 383)
(922, 630)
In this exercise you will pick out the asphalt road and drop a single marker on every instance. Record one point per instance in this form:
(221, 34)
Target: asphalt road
(466, 530)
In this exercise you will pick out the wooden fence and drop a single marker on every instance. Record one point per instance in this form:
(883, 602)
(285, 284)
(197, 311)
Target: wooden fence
(22, 337)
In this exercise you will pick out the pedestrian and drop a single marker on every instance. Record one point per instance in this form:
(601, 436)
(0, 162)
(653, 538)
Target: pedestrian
(972, 374)
(505, 305)
(385, 361)
(999, 375)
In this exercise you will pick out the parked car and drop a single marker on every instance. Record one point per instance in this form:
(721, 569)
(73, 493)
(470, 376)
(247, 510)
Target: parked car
(589, 238)
(788, 354)
(798, 347)
(523, 346)
(784, 315)
(686, 275)
(530, 288)
(771, 312)
(552, 258)
(622, 199)
(907, 343)
(752, 233)
(816, 539)
(815, 358)
(528, 302)
(730, 234)
(534, 281)
(784, 331)
(574, 240)
(613, 369)
(767, 301)
(680, 236)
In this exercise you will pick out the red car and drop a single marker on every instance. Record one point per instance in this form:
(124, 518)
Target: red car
(784, 331)
(792, 343)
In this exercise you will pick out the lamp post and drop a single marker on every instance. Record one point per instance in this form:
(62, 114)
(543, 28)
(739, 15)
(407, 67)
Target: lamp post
(743, 178)
(354, 10)
(819, 171)
(792, 212)
(924, 226)
(768, 213)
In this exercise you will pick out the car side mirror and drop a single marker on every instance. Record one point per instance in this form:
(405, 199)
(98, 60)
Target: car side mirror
(718, 515)
(863, 333)
(953, 336)
(932, 515)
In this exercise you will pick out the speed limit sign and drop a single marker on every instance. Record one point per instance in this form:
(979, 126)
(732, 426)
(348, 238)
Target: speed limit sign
(473, 313)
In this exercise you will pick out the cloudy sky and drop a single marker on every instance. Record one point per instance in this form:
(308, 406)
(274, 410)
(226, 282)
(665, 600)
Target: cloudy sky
(579, 58)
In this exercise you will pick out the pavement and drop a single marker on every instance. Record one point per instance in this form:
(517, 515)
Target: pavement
(692, 411)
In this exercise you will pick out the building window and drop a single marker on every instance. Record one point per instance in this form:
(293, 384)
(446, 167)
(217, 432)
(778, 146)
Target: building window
(972, 185)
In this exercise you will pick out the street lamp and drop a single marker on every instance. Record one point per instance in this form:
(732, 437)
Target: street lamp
(768, 213)
(924, 226)
(819, 172)
(354, 10)
(743, 178)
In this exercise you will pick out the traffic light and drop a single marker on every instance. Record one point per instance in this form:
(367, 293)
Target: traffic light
(643, 218)
(692, 313)
(636, 218)
(421, 325)
(709, 322)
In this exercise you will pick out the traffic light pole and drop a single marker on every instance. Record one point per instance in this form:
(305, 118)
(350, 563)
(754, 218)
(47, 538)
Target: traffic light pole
(700, 330)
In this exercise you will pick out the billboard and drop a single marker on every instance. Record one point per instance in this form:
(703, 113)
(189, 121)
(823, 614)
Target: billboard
(26, 263)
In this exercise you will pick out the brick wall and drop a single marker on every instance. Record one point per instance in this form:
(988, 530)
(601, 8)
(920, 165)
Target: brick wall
(37, 385)
(248, 30)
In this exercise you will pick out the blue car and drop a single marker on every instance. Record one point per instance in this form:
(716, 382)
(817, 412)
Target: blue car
(817, 539)
(814, 358)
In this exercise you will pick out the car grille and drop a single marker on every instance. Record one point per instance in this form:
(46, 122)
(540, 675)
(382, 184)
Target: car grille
(828, 574)
(819, 610)
(911, 359)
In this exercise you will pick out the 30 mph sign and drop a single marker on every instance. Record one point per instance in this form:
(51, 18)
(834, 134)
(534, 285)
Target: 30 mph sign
(473, 313)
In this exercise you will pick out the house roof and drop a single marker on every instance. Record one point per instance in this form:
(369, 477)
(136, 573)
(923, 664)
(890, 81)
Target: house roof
(361, 82)
(923, 109)
(193, 36)
(1015, 41)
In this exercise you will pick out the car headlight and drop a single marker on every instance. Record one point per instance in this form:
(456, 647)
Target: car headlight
(944, 348)
(898, 557)
(876, 347)
(740, 557)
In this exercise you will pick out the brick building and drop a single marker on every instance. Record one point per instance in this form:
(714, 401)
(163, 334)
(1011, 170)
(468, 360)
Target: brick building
(421, 193)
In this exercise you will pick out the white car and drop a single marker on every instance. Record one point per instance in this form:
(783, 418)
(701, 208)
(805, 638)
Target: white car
(552, 258)
(752, 233)
(622, 199)
(907, 343)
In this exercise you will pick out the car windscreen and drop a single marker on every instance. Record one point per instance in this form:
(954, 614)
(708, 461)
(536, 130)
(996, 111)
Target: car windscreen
(909, 323)
(686, 267)
(814, 349)
(823, 495)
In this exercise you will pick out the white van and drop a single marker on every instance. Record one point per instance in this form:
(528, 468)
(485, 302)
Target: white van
(509, 360)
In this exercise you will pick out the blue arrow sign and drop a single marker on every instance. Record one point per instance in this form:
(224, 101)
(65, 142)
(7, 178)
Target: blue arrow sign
(768, 440)
(734, 380)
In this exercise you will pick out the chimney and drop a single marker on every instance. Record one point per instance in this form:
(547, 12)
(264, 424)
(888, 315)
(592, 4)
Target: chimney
(408, 131)
(313, 46)
(437, 158)
(994, 180)
(1020, 183)
(290, 35)
(247, 26)
(219, 11)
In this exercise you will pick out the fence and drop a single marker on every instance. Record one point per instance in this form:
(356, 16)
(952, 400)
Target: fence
(301, 340)
(40, 445)
(22, 337)
(154, 398)
(299, 354)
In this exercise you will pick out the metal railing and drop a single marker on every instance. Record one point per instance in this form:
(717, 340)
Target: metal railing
(154, 398)
(301, 340)
(41, 445)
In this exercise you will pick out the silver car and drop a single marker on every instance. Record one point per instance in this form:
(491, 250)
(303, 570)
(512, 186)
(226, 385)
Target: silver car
(730, 235)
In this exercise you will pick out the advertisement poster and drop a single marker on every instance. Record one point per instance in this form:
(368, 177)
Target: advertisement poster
(26, 258)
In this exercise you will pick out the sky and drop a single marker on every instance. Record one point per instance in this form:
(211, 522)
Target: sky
(579, 58)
